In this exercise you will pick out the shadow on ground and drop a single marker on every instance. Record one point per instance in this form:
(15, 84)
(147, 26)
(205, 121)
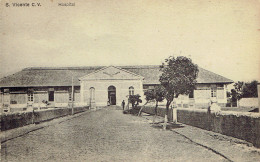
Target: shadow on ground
(114, 107)
(169, 126)
(158, 125)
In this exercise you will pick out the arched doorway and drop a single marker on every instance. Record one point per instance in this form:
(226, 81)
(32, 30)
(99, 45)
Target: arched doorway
(112, 95)
(92, 97)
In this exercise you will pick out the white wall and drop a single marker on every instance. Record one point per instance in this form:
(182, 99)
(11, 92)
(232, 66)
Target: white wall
(202, 96)
(248, 102)
(101, 90)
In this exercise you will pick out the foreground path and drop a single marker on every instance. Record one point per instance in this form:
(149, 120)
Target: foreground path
(106, 135)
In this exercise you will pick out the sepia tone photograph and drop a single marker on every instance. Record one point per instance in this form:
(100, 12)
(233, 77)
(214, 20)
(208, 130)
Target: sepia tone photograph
(130, 80)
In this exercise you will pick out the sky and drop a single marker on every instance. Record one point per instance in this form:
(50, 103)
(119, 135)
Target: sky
(220, 36)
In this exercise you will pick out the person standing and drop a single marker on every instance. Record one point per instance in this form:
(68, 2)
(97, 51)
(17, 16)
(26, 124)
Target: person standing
(123, 104)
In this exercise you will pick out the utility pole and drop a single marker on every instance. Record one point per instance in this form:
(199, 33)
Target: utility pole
(72, 97)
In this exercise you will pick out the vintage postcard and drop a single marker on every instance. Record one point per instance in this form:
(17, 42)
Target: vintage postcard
(130, 80)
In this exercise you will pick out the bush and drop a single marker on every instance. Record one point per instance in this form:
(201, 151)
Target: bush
(133, 111)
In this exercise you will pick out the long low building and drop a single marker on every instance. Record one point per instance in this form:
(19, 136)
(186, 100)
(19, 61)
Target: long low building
(98, 86)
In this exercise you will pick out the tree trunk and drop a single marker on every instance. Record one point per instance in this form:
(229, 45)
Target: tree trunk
(155, 112)
(165, 121)
(141, 109)
(166, 116)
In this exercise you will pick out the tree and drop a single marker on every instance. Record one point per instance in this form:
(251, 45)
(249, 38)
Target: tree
(159, 97)
(156, 95)
(250, 89)
(135, 100)
(234, 95)
(244, 90)
(228, 94)
(237, 92)
(178, 77)
(149, 96)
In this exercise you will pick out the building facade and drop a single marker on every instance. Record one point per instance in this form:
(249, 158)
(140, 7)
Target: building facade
(109, 85)
(34, 88)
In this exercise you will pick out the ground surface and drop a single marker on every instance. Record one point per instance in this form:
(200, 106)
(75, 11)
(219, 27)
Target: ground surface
(110, 135)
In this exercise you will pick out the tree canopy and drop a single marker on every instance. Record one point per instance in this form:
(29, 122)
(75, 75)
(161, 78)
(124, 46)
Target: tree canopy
(156, 94)
(135, 100)
(244, 90)
(250, 89)
(178, 77)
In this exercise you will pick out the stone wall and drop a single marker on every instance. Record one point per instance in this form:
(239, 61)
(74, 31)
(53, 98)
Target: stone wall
(14, 120)
(242, 125)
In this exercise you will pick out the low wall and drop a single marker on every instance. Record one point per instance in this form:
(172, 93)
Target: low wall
(248, 102)
(14, 120)
(160, 111)
(242, 125)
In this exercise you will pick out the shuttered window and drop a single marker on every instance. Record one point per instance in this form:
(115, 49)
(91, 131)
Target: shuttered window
(131, 90)
(30, 97)
(213, 92)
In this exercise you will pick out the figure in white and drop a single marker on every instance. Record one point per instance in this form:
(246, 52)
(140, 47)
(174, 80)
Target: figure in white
(214, 107)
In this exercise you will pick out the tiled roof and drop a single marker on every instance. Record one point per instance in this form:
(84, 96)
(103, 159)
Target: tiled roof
(62, 76)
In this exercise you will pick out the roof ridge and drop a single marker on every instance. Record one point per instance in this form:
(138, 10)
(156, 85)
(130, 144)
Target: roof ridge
(88, 67)
(62, 68)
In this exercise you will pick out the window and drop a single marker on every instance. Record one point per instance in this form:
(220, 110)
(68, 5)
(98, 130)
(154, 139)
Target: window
(51, 95)
(92, 93)
(191, 95)
(148, 87)
(213, 92)
(131, 91)
(30, 97)
(70, 97)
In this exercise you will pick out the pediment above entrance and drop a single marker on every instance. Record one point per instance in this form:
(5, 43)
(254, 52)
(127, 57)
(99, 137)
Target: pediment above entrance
(112, 73)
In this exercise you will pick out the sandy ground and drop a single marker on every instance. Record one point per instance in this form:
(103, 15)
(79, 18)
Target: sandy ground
(110, 135)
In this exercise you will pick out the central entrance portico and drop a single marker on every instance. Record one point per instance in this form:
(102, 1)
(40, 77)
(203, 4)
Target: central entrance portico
(112, 95)
(111, 84)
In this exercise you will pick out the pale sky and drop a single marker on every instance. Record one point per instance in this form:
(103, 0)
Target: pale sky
(220, 36)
